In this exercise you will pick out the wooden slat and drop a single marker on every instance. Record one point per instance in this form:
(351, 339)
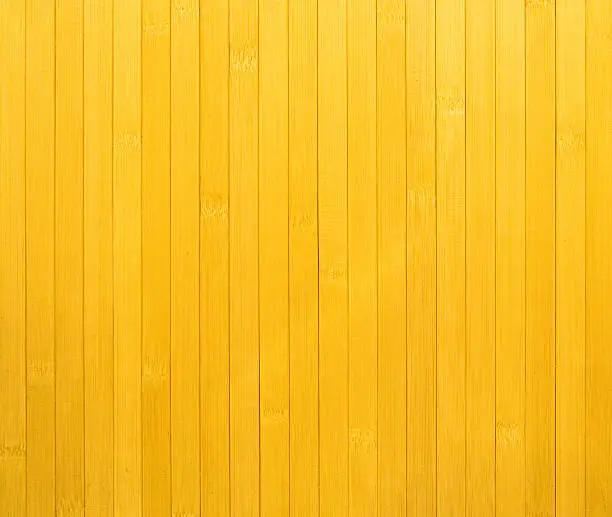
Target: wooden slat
(570, 260)
(303, 261)
(156, 188)
(243, 259)
(391, 166)
(540, 258)
(598, 251)
(12, 259)
(451, 282)
(98, 258)
(214, 259)
(274, 256)
(480, 257)
(333, 282)
(127, 251)
(40, 209)
(510, 258)
(421, 258)
(69, 412)
(184, 258)
(362, 257)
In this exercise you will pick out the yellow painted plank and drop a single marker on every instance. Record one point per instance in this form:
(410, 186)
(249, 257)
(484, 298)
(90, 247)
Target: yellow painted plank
(570, 259)
(69, 368)
(184, 258)
(540, 257)
(156, 454)
(391, 167)
(598, 251)
(214, 259)
(127, 249)
(303, 261)
(40, 209)
(421, 258)
(510, 258)
(98, 258)
(362, 257)
(12, 260)
(243, 259)
(480, 257)
(274, 257)
(451, 256)
(333, 282)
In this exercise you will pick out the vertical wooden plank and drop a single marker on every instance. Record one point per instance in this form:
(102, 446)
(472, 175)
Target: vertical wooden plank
(391, 165)
(510, 258)
(333, 283)
(451, 287)
(480, 257)
(40, 330)
(156, 454)
(303, 261)
(243, 272)
(570, 259)
(98, 258)
(421, 257)
(598, 252)
(184, 257)
(540, 257)
(69, 411)
(12, 259)
(214, 258)
(127, 256)
(362, 257)
(274, 257)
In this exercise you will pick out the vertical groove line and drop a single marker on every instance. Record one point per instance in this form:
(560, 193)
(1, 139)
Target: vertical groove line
(170, 13)
(229, 272)
(318, 285)
(288, 315)
(83, 240)
(25, 234)
(258, 275)
(141, 263)
(495, 95)
(199, 96)
(435, 87)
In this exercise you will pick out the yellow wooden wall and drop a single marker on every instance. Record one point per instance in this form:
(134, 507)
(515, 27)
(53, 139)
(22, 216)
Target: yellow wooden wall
(274, 258)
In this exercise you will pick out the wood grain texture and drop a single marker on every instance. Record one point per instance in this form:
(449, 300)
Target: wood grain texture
(274, 256)
(127, 257)
(480, 225)
(303, 261)
(214, 258)
(98, 259)
(570, 260)
(69, 388)
(362, 257)
(451, 266)
(391, 218)
(421, 470)
(598, 20)
(540, 244)
(156, 259)
(12, 259)
(333, 259)
(184, 258)
(510, 259)
(300, 258)
(40, 256)
(243, 258)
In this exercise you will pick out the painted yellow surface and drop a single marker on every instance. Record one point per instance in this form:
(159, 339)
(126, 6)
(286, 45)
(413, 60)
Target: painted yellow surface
(298, 258)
